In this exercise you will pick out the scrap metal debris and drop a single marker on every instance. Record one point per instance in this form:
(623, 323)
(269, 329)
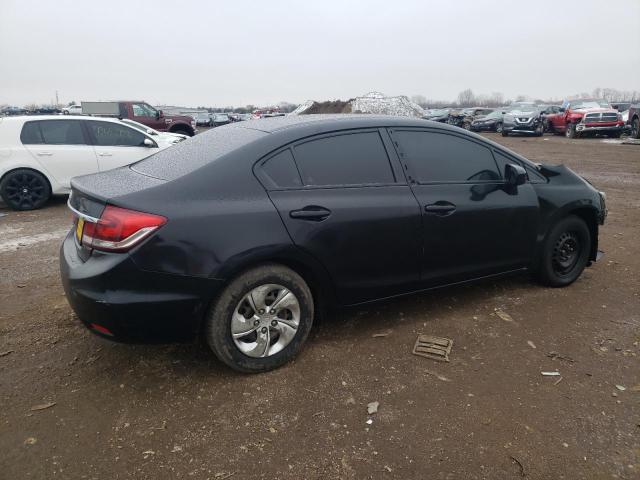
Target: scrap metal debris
(372, 407)
(504, 315)
(436, 348)
(531, 344)
(42, 406)
(550, 374)
(557, 356)
(4, 354)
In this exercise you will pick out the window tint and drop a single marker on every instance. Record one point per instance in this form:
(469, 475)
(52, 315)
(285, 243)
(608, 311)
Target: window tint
(282, 171)
(143, 110)
(30, 134)
(439, 157)
(109, 134)
(355, 158)
(62, 132)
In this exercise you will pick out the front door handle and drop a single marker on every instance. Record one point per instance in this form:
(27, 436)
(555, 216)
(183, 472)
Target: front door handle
(440, 208)
(105, 154)
(311, 212)
(44, 154)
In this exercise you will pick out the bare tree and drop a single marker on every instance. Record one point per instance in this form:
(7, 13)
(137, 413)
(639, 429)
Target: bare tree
(466, 98)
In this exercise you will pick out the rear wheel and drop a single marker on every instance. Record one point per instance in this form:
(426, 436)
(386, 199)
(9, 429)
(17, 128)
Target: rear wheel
(25, 189)
(635, 128)
(504, 132)
(261, 320)
(565, 252)
(498, 127)
(183, 131)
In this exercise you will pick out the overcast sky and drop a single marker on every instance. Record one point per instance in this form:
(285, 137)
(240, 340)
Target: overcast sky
(261, 52)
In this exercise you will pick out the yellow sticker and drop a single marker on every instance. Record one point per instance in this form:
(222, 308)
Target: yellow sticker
(79, 228)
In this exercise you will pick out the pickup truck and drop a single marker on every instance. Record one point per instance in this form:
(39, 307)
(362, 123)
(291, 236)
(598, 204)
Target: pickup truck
(586, 116)
(634, 120)
(144, 113)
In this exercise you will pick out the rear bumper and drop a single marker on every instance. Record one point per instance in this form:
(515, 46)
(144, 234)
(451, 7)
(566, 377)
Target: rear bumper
(115, 299)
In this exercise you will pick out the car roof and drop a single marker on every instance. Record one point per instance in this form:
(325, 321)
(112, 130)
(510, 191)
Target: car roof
(241, 142)
(27, 118)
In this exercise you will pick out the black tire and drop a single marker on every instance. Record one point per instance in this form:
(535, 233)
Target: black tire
(183, 131)
(540, 130)
(565, 253)
(217, 329)
(504, 133)
(25, 189)
(635, 128)
(499, 127)
(571, 131)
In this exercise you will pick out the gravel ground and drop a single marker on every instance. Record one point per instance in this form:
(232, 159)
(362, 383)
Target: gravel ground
(76, 406)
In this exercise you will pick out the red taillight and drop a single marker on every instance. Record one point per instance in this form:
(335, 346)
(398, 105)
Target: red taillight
(120, 229)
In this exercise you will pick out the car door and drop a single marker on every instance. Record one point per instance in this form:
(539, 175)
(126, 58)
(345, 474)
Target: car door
(473, 223)
(117, 144)
(61, 147)
(148, 115)
(344, 201)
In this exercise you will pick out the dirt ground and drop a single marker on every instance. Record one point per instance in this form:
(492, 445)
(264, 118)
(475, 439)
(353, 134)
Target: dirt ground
(75, 406)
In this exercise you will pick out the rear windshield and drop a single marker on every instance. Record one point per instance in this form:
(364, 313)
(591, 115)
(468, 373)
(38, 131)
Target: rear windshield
(190, 155)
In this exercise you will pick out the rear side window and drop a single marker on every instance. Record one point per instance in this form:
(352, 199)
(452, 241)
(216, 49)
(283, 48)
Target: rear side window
(350, 159)
(281, 171)
(444, 158)
(107, 134)
(62, 132)
(30, 134)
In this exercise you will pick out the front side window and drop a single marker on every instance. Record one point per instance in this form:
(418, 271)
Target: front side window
(143, 110)
(349, 159)
(444, 158)
(107, 134)
(62, 132)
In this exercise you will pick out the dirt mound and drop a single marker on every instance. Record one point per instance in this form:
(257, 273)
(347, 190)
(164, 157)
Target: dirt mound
(373, 102)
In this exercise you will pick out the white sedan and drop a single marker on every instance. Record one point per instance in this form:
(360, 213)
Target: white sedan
(40, 155)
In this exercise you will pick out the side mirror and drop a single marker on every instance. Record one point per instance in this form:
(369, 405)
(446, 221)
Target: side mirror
(562, 110)
(149, 143)
(515, 175)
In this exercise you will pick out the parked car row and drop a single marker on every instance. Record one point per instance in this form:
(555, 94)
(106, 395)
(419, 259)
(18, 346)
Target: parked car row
(574, 118)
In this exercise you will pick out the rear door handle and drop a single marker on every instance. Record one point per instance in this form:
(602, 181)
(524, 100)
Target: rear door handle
(44, 154)
(105, 154)
(311, 212)
(440, 208)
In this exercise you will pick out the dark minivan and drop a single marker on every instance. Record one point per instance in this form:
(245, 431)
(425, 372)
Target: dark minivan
(242, 233)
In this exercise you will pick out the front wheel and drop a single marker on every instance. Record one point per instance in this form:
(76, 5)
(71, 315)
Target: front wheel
(25, 189)
(565, 253)
(571, 131)
(498, 127)
(261, 320)
(504, 132)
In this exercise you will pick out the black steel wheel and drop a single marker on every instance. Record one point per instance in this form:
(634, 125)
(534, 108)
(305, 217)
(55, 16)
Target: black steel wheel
(25, 189)
(565, 252)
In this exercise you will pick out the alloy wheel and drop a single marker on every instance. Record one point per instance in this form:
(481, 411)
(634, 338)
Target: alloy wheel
(265, 321)
(25, 190)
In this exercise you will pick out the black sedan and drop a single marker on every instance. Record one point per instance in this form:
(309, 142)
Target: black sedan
(488, 123)
(242, 234)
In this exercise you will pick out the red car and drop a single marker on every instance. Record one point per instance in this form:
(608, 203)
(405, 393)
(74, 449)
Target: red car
(586, 116)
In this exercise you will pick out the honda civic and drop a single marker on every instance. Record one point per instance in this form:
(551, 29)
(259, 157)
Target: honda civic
(241, 235)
